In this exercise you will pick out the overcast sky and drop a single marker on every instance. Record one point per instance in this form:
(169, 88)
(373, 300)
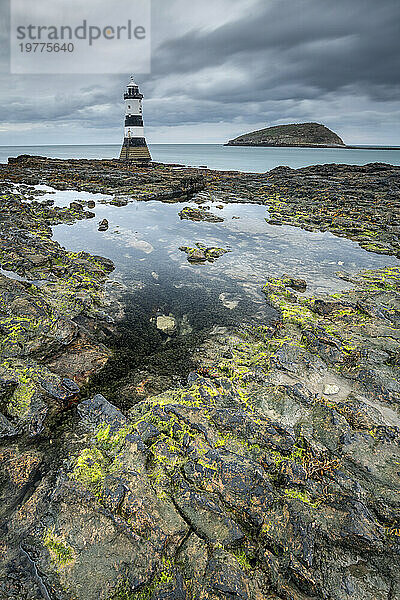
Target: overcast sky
(221, 68)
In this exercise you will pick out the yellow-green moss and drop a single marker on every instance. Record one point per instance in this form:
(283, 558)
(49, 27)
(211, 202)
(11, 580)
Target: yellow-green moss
(111, 442)
(60, 551)
(163, 577)
(21, 400)
(242, 559)
(302, 496)
(90, 469)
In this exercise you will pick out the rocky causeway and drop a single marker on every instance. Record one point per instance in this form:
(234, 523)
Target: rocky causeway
(272, 472)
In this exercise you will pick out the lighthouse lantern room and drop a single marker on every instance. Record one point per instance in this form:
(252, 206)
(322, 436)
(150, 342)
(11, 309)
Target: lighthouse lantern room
(134, 147)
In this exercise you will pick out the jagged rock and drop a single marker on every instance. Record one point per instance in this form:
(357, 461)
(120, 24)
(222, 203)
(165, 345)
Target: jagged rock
(199, 214)
(98, 411)
(70, 385)
(76, 206)
(6, 428)
(201, 253)
(103, 225)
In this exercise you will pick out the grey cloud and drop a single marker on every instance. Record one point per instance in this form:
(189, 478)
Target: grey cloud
(318, 42)
(272, 61)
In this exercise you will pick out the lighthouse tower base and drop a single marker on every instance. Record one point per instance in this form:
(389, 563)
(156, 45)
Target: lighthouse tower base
(134, 147)
(135, 152)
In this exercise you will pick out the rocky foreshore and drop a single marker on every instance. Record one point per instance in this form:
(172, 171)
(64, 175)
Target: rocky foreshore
(357, 202)
(273, 474)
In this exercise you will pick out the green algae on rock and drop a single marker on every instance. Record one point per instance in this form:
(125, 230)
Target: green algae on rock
(202, 254)
(250, 477)
(357, 202)
(199, 214)
(43, 289)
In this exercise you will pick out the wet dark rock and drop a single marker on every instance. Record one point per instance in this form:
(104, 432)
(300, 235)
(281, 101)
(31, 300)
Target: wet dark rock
(6, 428)
(199, 214)
(202, 254)
(207, 517)
(70, 385)
(76, 206)
(103, 225)
(119, 202)
(225, 579)
(300, 285)
(99, 411)
(105, 263)
(113, 177)
(62, 391)
(7, 388)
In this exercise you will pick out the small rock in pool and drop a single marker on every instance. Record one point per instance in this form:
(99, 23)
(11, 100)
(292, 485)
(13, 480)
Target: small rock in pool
(166, 324)
(141, 245)
(196, 255)
(70, 385)
(119, 201)
(57, 392)
(103, 226)
(330, 389)
(300, 285)
(75, 206)
(91, 204)
(199, 214)
(229, 300)
(202, 254)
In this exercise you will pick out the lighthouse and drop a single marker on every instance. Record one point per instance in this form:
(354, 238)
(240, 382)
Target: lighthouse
(134, 146)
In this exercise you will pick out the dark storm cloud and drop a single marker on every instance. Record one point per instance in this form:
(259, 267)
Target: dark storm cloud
(28, 108)
(319, 43)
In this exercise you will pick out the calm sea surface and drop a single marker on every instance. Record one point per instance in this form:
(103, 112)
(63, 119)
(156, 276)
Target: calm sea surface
(217, 156)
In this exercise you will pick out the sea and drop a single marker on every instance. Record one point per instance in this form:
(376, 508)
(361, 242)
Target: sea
(218, 156)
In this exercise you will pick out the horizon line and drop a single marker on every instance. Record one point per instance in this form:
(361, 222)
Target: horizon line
(346, 146)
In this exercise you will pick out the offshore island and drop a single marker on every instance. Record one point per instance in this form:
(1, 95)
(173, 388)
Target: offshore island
(145, 456)
(297, 135)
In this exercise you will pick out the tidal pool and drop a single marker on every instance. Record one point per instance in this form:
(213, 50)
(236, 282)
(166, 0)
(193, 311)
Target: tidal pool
(154, 277)
(143, 240)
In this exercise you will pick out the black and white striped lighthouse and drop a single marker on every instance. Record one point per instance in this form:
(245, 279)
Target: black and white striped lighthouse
(134, 146)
